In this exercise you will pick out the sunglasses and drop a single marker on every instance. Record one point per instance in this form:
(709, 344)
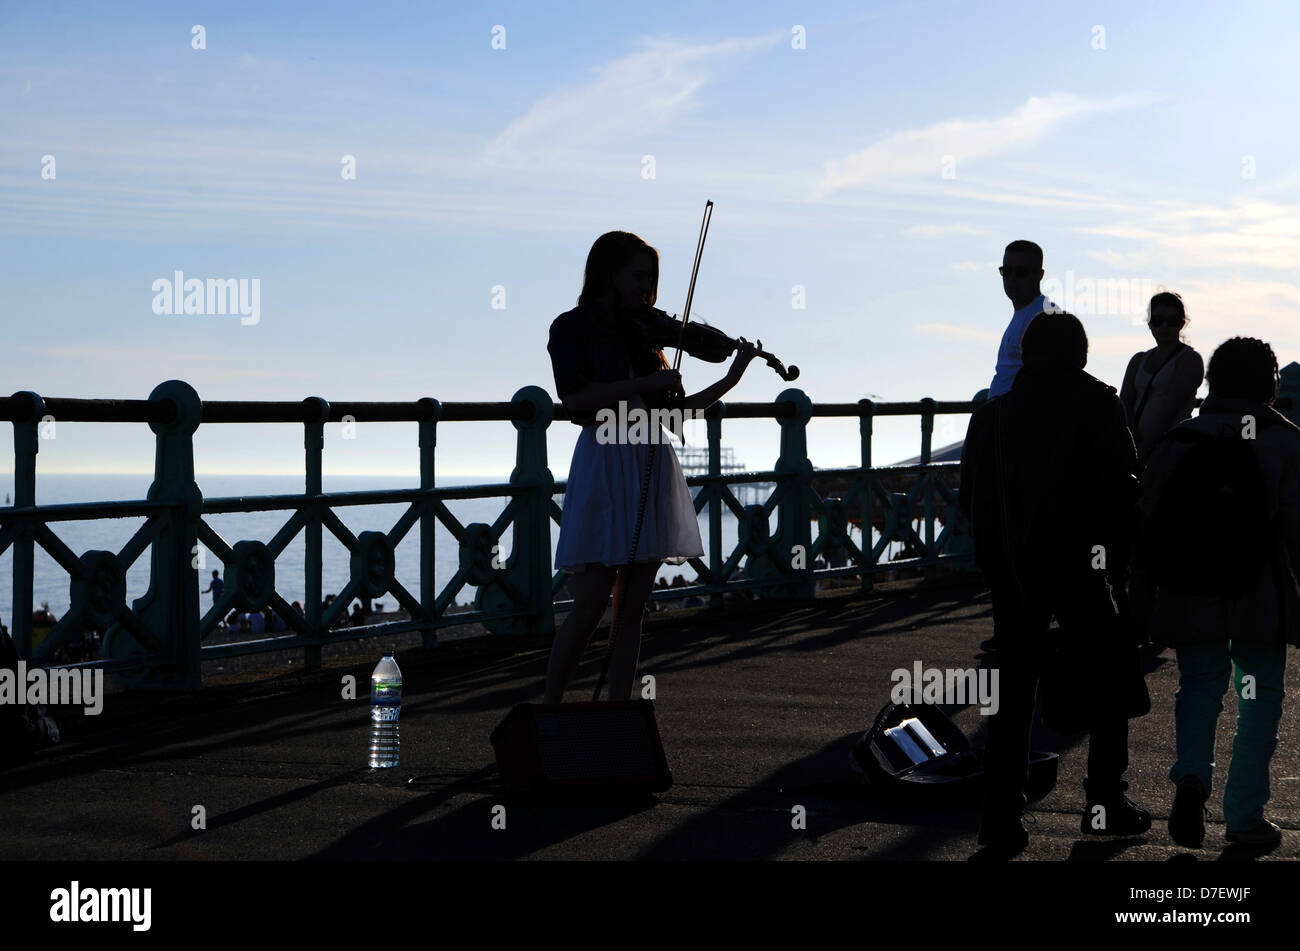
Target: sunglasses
(1165, 322)
(1016, 271)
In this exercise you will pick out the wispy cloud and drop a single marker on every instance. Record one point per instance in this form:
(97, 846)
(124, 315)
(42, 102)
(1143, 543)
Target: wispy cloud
(921, 151)
(958, 332)
(943, 231)
(634, 95)
(1243, 233)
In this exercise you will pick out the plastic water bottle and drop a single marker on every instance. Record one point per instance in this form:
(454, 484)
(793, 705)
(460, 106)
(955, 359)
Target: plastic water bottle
(385, 708)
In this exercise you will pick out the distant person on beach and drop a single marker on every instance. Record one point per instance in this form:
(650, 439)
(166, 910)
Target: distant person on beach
(216, 587)
(1228, 480)
(627, 507)
(358, 617)
(43, 616)
(1022, 274)
(1055, 451)
(1160, 384)
(256, 622)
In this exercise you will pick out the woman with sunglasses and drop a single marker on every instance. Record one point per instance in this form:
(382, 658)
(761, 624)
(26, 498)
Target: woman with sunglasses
(1160, 384)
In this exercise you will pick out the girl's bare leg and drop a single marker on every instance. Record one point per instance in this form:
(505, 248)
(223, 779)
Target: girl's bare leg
(635, 584)
(590, 593)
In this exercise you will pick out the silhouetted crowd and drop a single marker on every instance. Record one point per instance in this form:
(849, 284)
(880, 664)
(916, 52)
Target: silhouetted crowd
(1126, 521)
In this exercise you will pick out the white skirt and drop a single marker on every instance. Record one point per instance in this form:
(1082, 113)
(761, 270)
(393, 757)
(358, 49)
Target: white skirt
(601, 500)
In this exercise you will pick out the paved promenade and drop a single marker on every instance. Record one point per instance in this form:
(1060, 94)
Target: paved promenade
(758, 707)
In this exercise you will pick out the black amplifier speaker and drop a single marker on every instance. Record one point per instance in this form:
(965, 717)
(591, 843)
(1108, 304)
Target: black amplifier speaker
(610, 747)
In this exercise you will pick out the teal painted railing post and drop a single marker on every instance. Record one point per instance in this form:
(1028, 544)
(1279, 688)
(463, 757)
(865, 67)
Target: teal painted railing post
(431, 411)
(927, 487)
(314, 446)
(528, 569)
(1289, 388)
(169, 609)
(866, 499)
(713, 425)
(26, 446)
(792, 543)
(960, 542)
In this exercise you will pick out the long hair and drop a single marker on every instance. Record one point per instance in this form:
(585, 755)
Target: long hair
(609, 253)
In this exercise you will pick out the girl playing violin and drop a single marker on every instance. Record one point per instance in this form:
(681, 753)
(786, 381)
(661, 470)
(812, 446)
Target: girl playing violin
(601, 360)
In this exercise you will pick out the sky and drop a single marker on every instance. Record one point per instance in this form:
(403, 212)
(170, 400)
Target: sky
(411, 190)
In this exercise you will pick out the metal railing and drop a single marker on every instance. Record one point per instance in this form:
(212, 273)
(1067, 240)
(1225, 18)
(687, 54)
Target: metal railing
(157, 640)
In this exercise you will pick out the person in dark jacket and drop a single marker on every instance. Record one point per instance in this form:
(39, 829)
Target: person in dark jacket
(1215, 633)
(1048, 481)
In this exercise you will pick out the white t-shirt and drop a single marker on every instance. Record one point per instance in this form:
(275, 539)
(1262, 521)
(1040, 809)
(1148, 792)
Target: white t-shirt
(1009, 361)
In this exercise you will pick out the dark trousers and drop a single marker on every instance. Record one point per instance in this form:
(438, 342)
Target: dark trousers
(1025, 648)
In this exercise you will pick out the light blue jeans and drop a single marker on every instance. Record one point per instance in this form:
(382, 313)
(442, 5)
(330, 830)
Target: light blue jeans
(1203, 678)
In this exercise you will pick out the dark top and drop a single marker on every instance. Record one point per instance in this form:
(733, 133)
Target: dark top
(1048, 472)
(590, 344)
(1269, 612)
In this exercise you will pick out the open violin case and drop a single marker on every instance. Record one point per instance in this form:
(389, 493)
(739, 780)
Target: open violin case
(917, 754)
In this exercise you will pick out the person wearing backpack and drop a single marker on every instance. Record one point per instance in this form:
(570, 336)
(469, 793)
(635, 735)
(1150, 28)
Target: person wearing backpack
(1160, 384)
(1049, 483)
(1220, 534)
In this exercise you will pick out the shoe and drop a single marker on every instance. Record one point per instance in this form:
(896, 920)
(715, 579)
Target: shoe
(1004, 836)
(1187, 817)
(1266, 833)
(1122, 817)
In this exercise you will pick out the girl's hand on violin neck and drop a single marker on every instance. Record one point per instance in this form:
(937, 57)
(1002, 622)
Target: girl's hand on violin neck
(745, 352)
(662, 381)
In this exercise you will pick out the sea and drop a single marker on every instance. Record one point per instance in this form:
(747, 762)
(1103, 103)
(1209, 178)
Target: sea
(51, 582)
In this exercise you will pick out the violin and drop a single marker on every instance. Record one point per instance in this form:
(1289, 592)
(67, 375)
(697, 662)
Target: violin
(659, 330)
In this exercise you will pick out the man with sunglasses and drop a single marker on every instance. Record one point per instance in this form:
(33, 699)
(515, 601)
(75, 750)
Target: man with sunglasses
(1022, 273)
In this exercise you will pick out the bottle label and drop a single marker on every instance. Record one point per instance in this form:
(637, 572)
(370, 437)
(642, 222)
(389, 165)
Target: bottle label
(386, 694)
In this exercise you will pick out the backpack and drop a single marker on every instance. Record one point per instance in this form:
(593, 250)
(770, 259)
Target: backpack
(1211, 532)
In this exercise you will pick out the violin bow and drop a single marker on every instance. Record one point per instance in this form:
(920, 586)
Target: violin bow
(695, 271)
